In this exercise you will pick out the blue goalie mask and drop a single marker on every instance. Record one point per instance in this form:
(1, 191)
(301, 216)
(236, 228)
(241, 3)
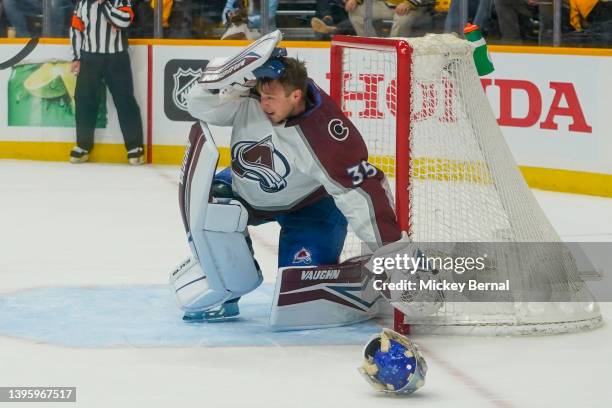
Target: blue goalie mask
(393, 364)
(274, 67)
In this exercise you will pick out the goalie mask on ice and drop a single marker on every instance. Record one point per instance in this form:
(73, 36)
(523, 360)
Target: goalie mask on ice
(222, 266)
(393, 364)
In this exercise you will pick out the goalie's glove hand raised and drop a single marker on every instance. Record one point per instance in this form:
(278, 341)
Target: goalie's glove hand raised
(243, 82)
(236, 71)
(247, 82)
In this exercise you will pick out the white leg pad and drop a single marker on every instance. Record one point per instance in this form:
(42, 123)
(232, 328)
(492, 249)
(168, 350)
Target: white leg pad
(192, 289)
(227, 270)
(323, 296)
(222, 266)
(227, 259)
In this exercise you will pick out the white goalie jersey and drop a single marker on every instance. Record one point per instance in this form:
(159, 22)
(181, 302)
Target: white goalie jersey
(279, 168)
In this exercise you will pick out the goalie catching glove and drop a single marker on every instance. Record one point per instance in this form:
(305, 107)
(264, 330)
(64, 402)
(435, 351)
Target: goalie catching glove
(237, 71)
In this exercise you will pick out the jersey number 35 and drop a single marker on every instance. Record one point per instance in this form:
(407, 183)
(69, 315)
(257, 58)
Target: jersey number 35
(360, 172)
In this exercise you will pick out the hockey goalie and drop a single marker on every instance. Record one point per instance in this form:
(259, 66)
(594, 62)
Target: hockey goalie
(295, 160)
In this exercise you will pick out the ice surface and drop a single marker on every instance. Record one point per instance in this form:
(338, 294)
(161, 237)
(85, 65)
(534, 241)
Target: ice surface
(72, 236)
(147, 316)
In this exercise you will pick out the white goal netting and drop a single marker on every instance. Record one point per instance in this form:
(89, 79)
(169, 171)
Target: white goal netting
(460, 182)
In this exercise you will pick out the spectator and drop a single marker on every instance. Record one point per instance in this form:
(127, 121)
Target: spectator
(166, 11)
(3, 21)
(403, 13)
(592, 22)
(255, 18)
(185, 19)
(18, 11)
(99, 44)
(508, 15)
(479, 13)
(238, 28)
(580, 11)
(206, 18)
(331, 18)
(142, 26)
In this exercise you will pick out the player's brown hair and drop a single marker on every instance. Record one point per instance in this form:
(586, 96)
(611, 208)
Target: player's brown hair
(294, 77)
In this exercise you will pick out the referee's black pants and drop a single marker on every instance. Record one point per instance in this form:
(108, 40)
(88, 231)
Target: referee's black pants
(115, 71)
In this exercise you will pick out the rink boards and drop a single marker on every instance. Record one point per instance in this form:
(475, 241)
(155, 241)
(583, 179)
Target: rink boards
(550, 103)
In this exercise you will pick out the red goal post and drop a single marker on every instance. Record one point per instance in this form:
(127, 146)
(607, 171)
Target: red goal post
(402, 103)
(400, 95)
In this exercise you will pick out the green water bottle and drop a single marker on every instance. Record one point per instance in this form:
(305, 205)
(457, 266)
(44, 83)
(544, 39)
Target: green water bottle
(482, 59)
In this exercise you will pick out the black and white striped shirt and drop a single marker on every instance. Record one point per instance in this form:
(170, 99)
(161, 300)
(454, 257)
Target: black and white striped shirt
(98, 26)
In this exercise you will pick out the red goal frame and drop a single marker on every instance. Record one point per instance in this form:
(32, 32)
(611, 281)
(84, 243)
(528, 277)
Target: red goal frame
(403, 74)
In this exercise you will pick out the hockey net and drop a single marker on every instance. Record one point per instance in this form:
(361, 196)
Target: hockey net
(419, 105)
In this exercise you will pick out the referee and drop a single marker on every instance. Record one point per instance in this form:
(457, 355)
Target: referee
(99, 45)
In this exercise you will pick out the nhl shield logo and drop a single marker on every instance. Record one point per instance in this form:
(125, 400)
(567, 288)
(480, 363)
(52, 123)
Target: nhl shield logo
(184, 80)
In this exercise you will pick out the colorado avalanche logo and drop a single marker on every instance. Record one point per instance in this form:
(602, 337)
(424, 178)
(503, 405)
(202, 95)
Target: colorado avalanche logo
(184, 80)
(261, 162)
(302, 257)
(337, 130)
